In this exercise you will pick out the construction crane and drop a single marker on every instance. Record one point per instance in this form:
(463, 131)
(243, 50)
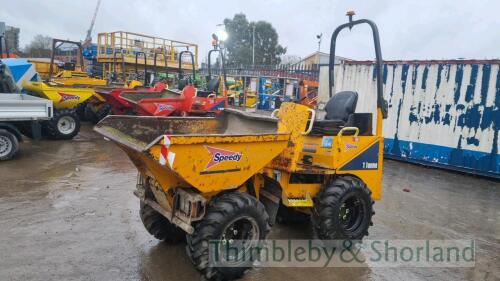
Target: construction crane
(88, 38)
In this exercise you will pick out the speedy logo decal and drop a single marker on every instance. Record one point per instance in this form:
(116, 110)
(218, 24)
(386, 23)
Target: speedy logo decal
(163, 107)
(65, 97)
(367, 160)
(221, 155)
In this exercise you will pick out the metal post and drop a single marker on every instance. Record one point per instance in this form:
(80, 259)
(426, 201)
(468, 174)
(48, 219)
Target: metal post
(145, 66)
(1, 51)
(253, 47)
(381, 102)
(320, 36)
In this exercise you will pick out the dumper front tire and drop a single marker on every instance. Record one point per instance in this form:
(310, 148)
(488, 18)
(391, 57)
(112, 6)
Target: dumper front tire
(343, 210)
(229, 217)
(159, 226)
(64, 125)
(94, 114)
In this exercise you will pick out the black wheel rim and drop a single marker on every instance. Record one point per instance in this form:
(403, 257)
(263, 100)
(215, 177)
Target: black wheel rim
(242, 234)
(351, 213)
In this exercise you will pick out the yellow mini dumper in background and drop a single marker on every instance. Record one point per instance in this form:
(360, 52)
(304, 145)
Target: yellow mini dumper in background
(223, 179)
(70, 91)
(73, 93)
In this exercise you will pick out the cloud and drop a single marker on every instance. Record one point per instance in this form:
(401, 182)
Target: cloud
(409, 29)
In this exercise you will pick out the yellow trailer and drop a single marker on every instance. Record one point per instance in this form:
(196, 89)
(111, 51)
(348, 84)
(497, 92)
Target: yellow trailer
(63, 77)
(42, 66)
(76, 79)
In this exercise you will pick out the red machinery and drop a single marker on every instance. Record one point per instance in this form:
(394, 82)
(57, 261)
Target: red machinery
(189, 102)
(120, 106)
(165, 102)
(160, 101)
(202, 103)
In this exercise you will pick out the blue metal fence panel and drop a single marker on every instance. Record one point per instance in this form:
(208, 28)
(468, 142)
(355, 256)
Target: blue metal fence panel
(441, 113)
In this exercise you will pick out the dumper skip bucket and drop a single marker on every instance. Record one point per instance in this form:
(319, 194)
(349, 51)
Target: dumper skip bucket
(208, 154)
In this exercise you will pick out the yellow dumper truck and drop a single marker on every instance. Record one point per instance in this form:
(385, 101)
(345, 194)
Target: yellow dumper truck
(223, 179)
(70, 91)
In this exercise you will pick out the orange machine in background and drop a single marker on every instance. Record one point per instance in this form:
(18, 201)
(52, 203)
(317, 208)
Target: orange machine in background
(5, 56)
(308, 92)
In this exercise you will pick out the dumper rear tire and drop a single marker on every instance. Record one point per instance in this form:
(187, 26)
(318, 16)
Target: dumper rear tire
(93, 115)
(343, 210)
(104, 110)
(64, 125)
(80, 111)
(90, 114)
(235, 213)
(159, 226)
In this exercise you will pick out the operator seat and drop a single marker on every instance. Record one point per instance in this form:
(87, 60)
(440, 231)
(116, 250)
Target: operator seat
(340, 113)
(183, 83)
(212, 87)
(341, 106)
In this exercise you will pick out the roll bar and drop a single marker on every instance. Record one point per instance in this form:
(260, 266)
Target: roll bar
(53, 53)
(145, 66)
(122, 52)
(155, 66)
(222, 65)
(179, 70)
(381, 102)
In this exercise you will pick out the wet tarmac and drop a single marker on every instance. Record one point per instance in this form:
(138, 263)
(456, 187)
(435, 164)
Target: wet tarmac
(67, 213)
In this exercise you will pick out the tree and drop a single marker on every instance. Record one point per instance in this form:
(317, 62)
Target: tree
(40, 46)
(239, 43)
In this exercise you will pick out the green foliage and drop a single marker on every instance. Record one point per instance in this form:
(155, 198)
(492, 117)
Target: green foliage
(239, 43)
(39, 47)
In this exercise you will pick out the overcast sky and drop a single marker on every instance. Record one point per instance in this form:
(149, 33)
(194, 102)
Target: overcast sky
(440, 29)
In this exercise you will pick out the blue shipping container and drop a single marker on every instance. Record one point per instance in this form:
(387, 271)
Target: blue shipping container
(441, 113)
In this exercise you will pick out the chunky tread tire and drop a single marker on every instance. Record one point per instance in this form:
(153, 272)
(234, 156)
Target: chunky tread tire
(327, 204)
(90, 114)
(80, 110)
(104, 110)
(13, 144)
(220, 212)
(95, 116)
(50, 128)
(159, 226)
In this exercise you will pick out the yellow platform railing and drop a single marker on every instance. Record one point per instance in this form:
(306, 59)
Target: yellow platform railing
(165, 51)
